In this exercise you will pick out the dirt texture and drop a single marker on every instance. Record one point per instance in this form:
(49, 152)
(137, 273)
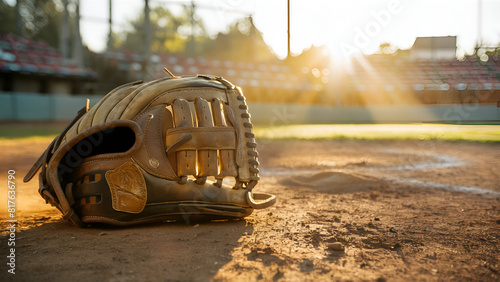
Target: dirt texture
(346, 210)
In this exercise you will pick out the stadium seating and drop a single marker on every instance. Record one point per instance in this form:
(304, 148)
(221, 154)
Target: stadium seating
(469, 74)
(27, 56)
(373, 79)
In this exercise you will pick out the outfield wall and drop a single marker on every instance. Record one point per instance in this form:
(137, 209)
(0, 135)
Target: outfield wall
(39, 107)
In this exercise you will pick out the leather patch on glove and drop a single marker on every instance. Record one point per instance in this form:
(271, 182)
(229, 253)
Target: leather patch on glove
(128, 188)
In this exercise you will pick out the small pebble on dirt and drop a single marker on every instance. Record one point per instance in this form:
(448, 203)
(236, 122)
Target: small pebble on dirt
(103, 233)
(337, 246)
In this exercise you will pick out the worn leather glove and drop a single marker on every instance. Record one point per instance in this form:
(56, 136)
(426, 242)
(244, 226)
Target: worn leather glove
(156, 151)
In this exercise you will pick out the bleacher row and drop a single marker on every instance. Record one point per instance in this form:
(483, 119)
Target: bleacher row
(243, 74)
(22, 55)
(372, 74)
(380, 75)
(442, 75)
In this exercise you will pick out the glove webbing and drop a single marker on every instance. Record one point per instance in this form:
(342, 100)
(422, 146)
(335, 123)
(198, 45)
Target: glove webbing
(205, 144)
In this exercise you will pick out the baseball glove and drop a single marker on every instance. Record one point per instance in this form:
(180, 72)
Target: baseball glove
(156, 151)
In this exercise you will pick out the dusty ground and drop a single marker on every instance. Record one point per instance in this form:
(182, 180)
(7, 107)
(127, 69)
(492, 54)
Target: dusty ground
(346, 210)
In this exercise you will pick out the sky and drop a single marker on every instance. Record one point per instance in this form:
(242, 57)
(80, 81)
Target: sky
(345, 26)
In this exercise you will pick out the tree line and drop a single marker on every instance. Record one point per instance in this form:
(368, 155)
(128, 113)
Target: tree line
(180, 34)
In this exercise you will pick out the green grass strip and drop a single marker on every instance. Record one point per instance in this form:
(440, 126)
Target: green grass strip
(473, 133)
(446, 132)
(21, 131)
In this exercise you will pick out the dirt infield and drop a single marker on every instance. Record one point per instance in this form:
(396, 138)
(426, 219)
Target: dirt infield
(346, 210)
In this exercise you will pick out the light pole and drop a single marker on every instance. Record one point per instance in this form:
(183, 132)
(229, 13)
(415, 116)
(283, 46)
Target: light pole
(288, 30)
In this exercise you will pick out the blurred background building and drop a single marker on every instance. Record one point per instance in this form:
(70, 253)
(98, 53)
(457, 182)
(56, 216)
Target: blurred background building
(434, 48)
